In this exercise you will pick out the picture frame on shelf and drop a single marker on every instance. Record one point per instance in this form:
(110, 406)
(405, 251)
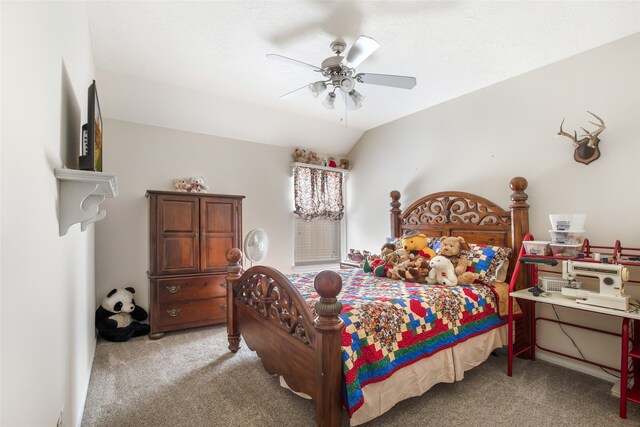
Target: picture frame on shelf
(91, 156)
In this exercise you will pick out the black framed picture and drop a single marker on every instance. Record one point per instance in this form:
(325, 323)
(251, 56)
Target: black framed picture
(91, 156)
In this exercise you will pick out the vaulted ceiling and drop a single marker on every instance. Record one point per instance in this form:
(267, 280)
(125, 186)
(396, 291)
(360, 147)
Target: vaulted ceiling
(201, 66)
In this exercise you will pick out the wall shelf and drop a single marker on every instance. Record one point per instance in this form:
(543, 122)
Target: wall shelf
(81, 193)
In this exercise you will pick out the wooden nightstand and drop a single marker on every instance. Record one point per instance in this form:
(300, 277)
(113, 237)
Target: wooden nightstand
(347, 265)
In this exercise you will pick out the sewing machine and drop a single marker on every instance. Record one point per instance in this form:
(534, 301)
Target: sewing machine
(611, 277)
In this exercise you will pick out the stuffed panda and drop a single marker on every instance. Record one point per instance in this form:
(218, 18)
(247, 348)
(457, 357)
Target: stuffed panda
(118, 317)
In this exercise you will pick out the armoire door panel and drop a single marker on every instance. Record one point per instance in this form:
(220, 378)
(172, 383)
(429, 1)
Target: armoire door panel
(179, 254)
(218, 216)
(214, 248)
(179, 216)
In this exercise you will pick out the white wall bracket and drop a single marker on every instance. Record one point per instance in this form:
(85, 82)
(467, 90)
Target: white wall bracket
(81, 193)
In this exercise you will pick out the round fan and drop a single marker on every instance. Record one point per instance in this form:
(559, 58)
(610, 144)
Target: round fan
(256, 245)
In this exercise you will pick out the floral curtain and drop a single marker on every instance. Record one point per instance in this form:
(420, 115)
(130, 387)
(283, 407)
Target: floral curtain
(318, 194)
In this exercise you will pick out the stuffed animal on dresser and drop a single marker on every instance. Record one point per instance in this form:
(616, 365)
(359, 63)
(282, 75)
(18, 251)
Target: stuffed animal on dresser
(118, 317)
(198, 185)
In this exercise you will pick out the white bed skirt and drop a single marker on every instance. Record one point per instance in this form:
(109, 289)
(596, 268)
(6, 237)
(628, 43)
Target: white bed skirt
(445, 366)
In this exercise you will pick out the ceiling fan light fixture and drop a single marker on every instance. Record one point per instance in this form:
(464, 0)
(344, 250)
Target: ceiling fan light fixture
(357, 98)
(330, 101)
(317, 88)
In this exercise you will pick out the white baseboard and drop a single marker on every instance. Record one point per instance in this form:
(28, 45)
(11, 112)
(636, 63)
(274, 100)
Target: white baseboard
(585, 368)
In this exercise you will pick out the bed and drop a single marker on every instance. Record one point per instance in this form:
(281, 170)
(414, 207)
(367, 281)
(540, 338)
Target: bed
(299, 324)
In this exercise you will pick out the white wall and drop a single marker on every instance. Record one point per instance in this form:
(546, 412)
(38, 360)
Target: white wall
(47, 292)
(477, 142)
(149, 158)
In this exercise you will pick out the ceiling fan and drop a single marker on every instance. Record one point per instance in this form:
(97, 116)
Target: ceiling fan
(339, 73)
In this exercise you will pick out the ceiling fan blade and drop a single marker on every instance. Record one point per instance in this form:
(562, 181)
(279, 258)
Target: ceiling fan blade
(289, 95)
(403, 82)
(292, 61)
(363, 47)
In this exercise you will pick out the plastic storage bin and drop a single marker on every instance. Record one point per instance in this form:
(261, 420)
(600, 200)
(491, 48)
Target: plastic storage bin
(555, 285)
(567, 237)
(537, 247)
(563, 222)
(564, 250)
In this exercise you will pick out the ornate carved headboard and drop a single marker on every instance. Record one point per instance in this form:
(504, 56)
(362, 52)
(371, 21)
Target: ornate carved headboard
(475, 218)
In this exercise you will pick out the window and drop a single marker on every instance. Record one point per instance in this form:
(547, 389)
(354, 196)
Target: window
(317, 241)
(319, 209)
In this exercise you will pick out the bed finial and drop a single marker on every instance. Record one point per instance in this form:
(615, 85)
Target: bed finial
(518, 184)
(234, 271)
(328, 284)
(328, 327)
(395, 213)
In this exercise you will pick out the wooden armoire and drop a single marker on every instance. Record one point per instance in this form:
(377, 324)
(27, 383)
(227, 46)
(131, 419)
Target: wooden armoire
(189, 234)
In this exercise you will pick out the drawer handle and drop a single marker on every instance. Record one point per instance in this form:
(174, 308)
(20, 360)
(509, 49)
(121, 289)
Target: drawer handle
(223, 306)
(173, 312)
(173, 288)
(223, 285)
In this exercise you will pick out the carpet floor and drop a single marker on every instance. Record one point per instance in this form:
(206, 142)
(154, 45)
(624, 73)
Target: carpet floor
(190, 379)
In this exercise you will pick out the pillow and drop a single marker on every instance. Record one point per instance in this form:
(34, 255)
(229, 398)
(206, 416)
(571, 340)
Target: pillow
(487, 261)
(434, 243)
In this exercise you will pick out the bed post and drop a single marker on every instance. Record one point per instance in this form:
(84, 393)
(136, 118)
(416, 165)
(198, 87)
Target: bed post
(519, 219)
(329, 326)
(395, 214)
(234, 271)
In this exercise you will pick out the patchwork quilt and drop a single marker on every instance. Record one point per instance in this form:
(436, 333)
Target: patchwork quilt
(391, 323)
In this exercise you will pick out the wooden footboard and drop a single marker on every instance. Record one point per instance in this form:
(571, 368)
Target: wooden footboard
(305, 349)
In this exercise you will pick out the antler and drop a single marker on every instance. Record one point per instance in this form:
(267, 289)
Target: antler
(573, 137)
(593, 136)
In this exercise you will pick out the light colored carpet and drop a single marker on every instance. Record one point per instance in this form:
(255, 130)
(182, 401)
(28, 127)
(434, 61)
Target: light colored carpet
(191, 379)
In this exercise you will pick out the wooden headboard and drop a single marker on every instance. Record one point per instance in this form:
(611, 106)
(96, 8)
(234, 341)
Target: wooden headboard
(475, 218)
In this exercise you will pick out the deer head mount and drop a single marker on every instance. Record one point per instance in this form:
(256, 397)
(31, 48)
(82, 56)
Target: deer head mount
(586, 149)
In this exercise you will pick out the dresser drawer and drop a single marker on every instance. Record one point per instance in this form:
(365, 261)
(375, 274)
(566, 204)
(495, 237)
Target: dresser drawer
(202, 311)
(190, 288)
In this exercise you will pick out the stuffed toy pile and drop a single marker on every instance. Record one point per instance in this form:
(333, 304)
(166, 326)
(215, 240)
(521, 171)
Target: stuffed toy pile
(409, 262)
(118, 318)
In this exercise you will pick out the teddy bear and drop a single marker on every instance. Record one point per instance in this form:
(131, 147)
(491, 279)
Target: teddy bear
(198, 184)
(451, 248)
(331, 162)
(118, 318)
(314, 159)
(416, 270)
(300, 155)
(181, 184)
(442, 272)
(416, 244)
(344, 164)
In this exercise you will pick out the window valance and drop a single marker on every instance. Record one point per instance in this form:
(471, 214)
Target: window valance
(318, 193)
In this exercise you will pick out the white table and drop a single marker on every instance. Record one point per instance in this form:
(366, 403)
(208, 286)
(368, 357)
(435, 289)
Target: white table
(627, 316)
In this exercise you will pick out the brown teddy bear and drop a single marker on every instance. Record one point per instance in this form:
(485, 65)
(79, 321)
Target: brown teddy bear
(451, 247)
(314, 159)
(415, 271)
(300, 155)
(344, 164)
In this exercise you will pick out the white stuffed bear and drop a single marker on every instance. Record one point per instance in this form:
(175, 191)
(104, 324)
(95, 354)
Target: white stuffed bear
(442, 272)
(198, 185)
